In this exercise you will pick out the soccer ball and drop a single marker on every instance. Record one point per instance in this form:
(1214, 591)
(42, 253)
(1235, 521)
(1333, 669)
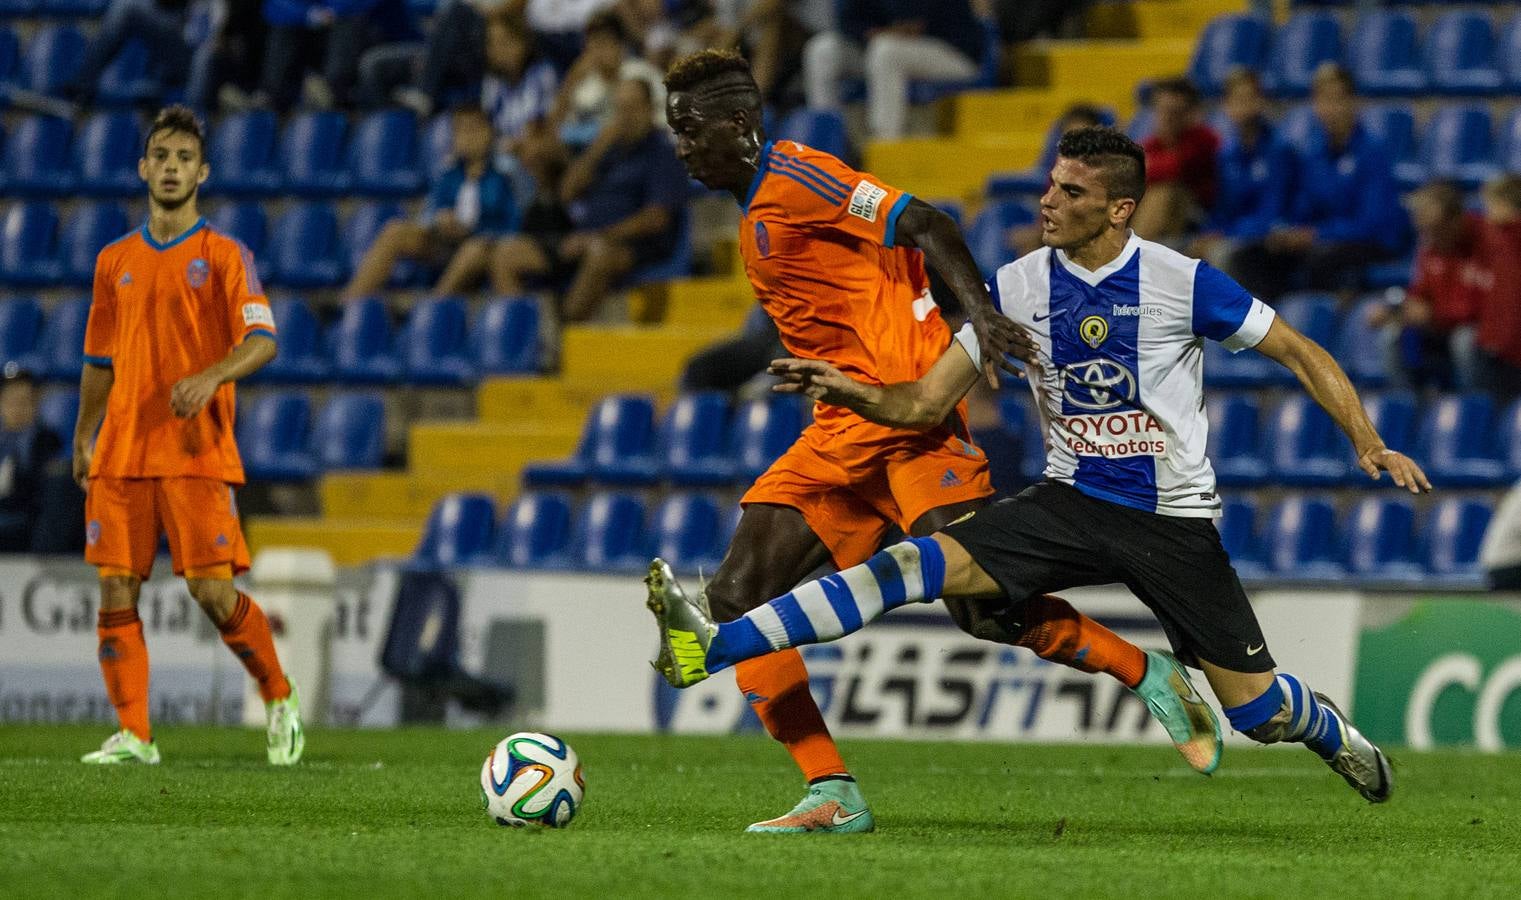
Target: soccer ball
(532, 779)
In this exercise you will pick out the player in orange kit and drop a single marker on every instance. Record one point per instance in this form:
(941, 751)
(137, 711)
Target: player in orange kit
(838, 261)
(178, 316)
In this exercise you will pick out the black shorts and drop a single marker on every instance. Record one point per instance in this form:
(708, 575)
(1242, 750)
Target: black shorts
(1052, 537)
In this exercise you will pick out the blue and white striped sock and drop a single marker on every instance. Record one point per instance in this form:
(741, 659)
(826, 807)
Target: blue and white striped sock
(1310, 723)
(834, 606)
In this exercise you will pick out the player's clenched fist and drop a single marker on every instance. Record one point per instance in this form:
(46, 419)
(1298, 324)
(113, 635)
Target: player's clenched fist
(191, 394)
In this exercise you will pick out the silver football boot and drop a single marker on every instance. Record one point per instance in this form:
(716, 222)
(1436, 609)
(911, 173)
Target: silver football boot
(1359, 762)
(686, 628)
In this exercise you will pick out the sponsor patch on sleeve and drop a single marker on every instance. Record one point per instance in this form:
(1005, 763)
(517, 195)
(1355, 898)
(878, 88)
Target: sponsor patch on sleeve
(866, 201)
(257, 314)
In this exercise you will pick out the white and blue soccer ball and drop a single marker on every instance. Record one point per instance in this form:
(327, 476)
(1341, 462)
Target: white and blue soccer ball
(532, 779)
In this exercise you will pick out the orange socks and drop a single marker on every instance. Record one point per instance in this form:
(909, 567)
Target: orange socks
(124, 666)
(1061, 634)
(776, 685)
(246, 633)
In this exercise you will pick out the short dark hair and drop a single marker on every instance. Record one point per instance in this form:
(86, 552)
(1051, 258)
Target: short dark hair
(715, 75)
(179, 118)
(1121, 160)
(606, 23)
(1178, 86)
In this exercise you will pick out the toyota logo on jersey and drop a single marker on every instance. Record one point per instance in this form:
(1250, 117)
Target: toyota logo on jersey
(1098, 384)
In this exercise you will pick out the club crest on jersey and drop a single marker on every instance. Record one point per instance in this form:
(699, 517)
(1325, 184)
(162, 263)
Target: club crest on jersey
(1093, 330)
(762, 239)
(197, 272)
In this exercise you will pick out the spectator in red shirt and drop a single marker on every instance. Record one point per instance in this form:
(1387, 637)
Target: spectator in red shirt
(1500, 307)
(1429, 334)
(1180, 164)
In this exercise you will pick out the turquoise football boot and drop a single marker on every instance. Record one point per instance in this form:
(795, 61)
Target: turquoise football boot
(829, 807)
(1190, 722)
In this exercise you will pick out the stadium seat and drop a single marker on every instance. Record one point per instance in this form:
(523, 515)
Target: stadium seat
(301, 359)
(1140, 124)
(1358, 346)
(1450, 541)
(1312, 314)
(1393, 416)
(677, 265)
(106, 154)
(60, 348)
(243, 220)
(617, 446)
(1228, 42)
(817, 128)
(57, 411)
(1380, 540)
(303, 251)
(535, 532)
(20, 328)
(611, 535)
(242, 155)
(1304, 446)
(1394, 124)
(1510, 139)
(1235, 439)
(685, 532)
(1460, 55)
(383, 155)
(360, 231)
(362, 344)
(434, 344)
(763, 430)
(1301, 44)
(1459, 144)
(507, 337)
(126, 79)
(313, 154)
(1300, 539)
(93, 226)
(350, 432)
(52, 59)
(29, 245)
(459, 532)
(1033, 180)
(1458, 442)
(274, 431)
(10, 60)
(1510, 438)
(1510, 53)
(37, 157)
(988, 236)
(1246, 369)
(696, 434)
(1238, 534)
(1384, 55)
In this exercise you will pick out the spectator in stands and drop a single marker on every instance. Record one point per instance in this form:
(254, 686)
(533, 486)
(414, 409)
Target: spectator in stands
(625, 195)
(450, 61)
(519, 89)
(1026, 238)
(1499, 370)
(1180, 164)
(471, 198)
(1429, 336)
(1345, 211)
(343, 29)
(773, 34)
(26, 447)
(586, 97)
(561, 25)
(893, 43)
(182, 41)
(1255, 171)
(729, 364)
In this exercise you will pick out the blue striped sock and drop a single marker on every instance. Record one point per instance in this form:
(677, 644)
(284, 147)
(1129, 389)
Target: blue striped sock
(834, 606)
(1310, 722)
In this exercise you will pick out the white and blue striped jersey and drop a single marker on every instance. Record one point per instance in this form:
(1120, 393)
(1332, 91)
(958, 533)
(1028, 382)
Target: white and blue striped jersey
(1120, 386)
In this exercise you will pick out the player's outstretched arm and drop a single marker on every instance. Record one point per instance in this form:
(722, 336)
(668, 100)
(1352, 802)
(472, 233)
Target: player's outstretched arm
(908, 404)
(1329, 386)
(193, 392)
(94, 390)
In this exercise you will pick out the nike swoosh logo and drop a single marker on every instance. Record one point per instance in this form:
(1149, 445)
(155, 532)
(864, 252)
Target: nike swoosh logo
(1253, 651)
(1041, 318)
(838, 819)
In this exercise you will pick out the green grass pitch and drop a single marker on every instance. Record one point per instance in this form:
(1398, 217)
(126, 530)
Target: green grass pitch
(380, 814)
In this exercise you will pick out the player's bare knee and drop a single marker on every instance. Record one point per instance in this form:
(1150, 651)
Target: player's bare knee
(216, 596)
(119, 591)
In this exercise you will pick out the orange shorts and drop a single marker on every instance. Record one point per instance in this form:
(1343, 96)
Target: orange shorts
(125, 516)
(849, 493)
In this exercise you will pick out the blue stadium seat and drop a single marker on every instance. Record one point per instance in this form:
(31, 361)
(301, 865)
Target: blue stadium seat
(126, 79)
(1380, 540)
(696, 435)
(1246, 369)
(20, 328)
(58, 410)
(1393, 414)
(1311, 314)
(304, 251)
(242, 155)
(611, 536)
(988, 236)
(438, 146)
(820, 129)
(1140, 125)
(1454, 530)
(106, 155)
(383, 155)
(361, 230)
(1033, 180)
(245, 221)
(763, 430)
(52, 59)
(1510, 53)
(1238, 534)
(1228, 42)
(434, 344)
(302, 358)
(1394, 124)
(507, 337)
(685, 532)
(1384, 55)
(1510, 438)
(362, 344)
(1235, 439)
(1302, 43)
(616, 447)
(92, 226)
(535, 532)
(1458, 442)
(273, 434)
(677, 265)
(1510, 138)
(60, 348)
(460, 532)
(1358, 346)
(37, 156)
(1459, 144)
(29, 245)
(10, 60)
(1460, 55)
(313, 154)
(1300, 539)
(350, 432)
(1304, 447)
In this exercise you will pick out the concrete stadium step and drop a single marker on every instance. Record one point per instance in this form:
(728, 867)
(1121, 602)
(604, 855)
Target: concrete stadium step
(951, 167)
(631, 358)
(977, 114)
(349, 541)
(499, 450)
(720, 302)
(405, 495)
(1104, 67)
(1157, 18)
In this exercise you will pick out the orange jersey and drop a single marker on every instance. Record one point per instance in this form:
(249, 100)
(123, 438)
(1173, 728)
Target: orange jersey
(817, 241)
(161, 312)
